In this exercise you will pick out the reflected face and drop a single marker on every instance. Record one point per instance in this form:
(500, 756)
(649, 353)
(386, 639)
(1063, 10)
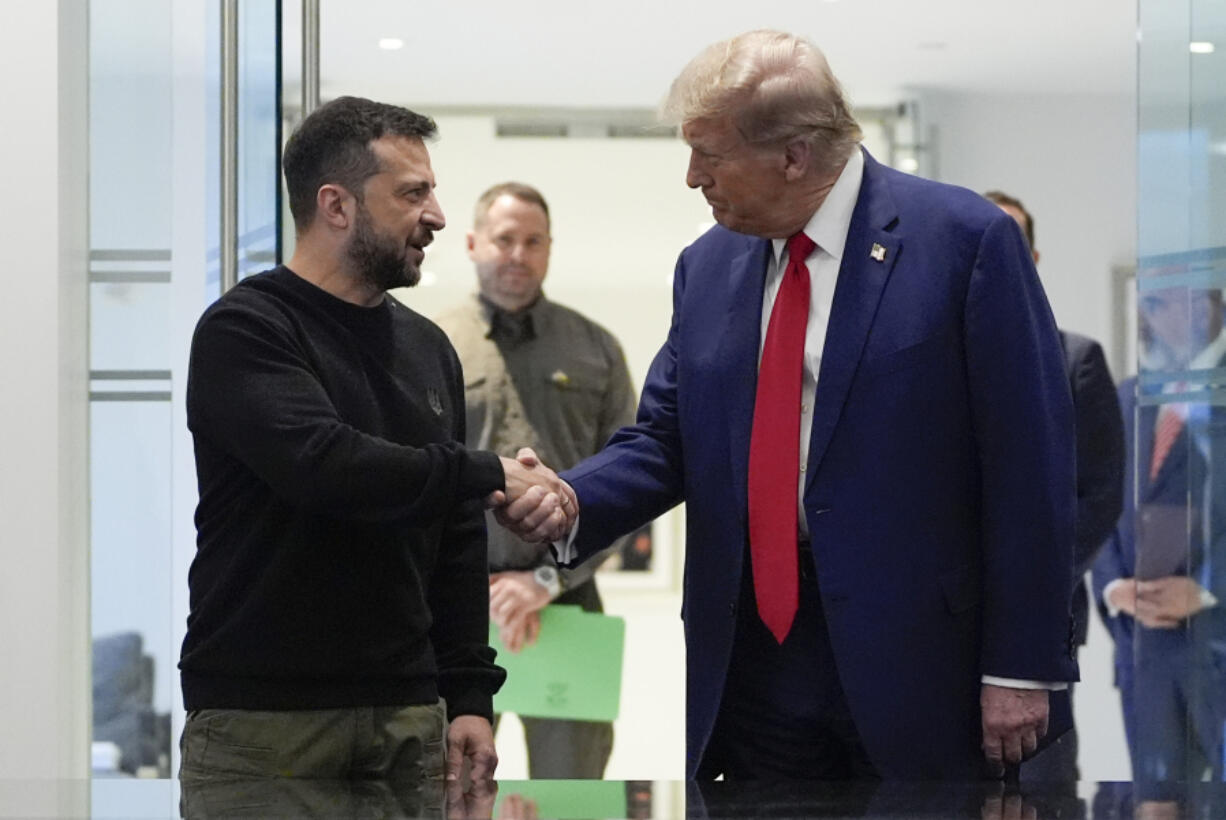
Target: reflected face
(396, 216)
(1182, 321)
(510, 250)
(740, 181)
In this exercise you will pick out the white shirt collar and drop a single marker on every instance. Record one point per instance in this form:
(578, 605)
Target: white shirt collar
(1208, 358)
(828, 227)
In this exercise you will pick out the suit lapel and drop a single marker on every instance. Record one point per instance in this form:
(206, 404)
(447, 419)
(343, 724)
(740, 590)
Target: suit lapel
(857, 293)
(1147, 418)
(739, 353)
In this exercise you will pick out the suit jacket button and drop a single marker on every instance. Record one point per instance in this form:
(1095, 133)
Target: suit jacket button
(732, 608)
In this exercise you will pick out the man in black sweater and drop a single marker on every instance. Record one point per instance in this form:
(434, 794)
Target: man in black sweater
(339, 594)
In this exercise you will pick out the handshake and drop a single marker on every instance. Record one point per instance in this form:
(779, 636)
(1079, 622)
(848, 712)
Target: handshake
(536, 505)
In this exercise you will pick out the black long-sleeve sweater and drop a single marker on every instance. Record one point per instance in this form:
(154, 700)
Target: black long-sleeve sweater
(341, 556)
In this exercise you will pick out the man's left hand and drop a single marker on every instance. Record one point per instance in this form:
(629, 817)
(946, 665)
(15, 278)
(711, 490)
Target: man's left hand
(1014, 721)
(470, 739)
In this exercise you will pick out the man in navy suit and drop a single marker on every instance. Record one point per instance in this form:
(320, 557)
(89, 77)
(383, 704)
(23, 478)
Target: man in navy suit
(1159, 579)
(862, 400)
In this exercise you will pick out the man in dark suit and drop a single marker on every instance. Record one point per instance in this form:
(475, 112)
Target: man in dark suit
(1100, 477)
(862, 401)
(1160, 577)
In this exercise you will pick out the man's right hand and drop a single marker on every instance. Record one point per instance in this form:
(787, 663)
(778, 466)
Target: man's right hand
(536, 505)
(1124, 596)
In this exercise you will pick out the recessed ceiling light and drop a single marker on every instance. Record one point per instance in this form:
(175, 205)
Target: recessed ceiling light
(391, 43)
(1200, 48)
(909, 164)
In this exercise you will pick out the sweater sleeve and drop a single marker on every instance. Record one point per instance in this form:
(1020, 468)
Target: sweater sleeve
(459, 605)
(253, 394)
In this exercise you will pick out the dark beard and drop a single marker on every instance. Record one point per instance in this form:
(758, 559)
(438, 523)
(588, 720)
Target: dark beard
(378, 259)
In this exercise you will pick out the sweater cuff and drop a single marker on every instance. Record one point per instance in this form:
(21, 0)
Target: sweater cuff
(481, 474)
(470, 702)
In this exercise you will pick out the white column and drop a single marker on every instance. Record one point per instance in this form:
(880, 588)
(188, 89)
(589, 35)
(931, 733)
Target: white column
(196, 130)
(44, 526)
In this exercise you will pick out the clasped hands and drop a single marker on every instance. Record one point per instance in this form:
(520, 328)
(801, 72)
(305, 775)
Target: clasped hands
(1164, 603)
(536, 505)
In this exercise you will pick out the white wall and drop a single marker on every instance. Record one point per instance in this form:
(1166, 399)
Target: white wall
(44, 592)
(1072, 160)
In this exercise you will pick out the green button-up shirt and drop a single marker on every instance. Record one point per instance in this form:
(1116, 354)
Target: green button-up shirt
(547, 378)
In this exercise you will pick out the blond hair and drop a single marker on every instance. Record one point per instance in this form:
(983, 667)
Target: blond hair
(775, 87)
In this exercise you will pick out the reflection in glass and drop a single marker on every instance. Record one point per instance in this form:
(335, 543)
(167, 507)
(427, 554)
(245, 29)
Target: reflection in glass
(1161, 580)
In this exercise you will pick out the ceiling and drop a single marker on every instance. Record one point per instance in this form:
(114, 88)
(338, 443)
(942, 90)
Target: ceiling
(623, 54)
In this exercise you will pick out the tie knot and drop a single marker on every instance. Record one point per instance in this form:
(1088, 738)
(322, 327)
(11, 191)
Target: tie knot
(799, 247)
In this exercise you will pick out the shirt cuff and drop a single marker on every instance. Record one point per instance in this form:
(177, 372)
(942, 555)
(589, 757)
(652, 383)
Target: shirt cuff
(1013, 683)
(564, 549)
(1112, 609)
(1207, 599)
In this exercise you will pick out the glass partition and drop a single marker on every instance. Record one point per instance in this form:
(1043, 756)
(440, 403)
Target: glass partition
(154, 169)
(1174, 543)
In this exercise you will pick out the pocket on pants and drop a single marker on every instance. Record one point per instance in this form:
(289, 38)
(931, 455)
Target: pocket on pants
(230, 743)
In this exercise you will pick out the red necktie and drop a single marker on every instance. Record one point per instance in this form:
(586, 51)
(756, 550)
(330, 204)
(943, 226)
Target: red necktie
(1168, 428)
(774, 447)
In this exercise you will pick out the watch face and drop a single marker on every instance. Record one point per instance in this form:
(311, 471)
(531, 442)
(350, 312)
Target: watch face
(548, 578)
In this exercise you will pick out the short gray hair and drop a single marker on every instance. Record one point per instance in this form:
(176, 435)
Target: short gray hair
(775, 86)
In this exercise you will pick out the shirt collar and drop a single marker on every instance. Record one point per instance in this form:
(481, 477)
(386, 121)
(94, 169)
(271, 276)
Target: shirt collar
(829, 225)
(1211, 355)
(523, 324)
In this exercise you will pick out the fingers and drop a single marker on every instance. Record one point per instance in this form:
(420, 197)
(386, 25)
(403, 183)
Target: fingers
(532, 501)
(570, 503)
(536, 517)
(1029, 742)
(532, 628)
(1013, 722)
(484, 761)
(527, 457)
(512, 636)
(455, 758)
(994, 754)
(495, 499)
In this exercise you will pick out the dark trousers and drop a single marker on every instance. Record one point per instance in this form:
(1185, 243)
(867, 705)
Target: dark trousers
(381, 742)
(1180, 713)
(784, 715)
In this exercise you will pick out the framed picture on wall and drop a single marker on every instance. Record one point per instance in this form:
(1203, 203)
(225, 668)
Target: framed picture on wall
(650, 557)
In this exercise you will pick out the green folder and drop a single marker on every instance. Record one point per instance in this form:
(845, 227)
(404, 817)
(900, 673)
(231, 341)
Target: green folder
(566, 798)
(573, 671)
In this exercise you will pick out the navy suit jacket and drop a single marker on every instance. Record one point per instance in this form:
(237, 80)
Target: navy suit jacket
(939, 489)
